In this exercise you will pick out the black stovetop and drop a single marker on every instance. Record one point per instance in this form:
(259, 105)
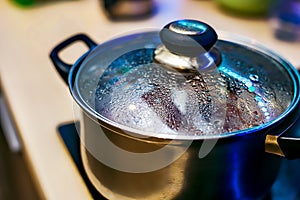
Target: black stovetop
(286, 186)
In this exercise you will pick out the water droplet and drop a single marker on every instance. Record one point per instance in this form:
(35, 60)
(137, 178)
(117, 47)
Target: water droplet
(267, 114)
(251, 89)
(254, 77)
(248, 84)
(260, 104)
(264, 109)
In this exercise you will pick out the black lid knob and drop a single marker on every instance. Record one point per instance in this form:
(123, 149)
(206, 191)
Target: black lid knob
(188, 37)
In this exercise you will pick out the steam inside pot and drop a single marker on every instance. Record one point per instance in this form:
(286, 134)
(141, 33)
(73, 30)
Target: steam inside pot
(244, 91)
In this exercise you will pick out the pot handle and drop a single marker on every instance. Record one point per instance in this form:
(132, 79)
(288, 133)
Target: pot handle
(285, 141)
(62, 67)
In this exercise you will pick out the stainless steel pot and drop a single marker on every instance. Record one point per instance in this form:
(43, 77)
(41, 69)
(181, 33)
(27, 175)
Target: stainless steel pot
(182, 113)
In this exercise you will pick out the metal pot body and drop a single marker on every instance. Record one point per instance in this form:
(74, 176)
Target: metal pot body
(236, 168)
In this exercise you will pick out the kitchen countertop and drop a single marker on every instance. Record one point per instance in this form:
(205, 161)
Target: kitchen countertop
(38, 98)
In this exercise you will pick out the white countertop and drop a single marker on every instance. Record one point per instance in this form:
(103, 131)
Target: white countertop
(38, 98)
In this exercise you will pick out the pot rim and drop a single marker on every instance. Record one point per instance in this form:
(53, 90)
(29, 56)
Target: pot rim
(286, 65)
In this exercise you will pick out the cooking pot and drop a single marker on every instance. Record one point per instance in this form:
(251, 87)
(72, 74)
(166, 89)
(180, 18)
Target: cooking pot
(182, 113)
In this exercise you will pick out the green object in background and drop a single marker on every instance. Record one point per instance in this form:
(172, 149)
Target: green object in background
(246, 7)
(25, 2)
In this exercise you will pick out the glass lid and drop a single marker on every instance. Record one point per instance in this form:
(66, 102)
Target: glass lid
(184, 80)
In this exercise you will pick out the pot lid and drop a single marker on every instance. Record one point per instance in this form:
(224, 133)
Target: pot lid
(184, 80)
